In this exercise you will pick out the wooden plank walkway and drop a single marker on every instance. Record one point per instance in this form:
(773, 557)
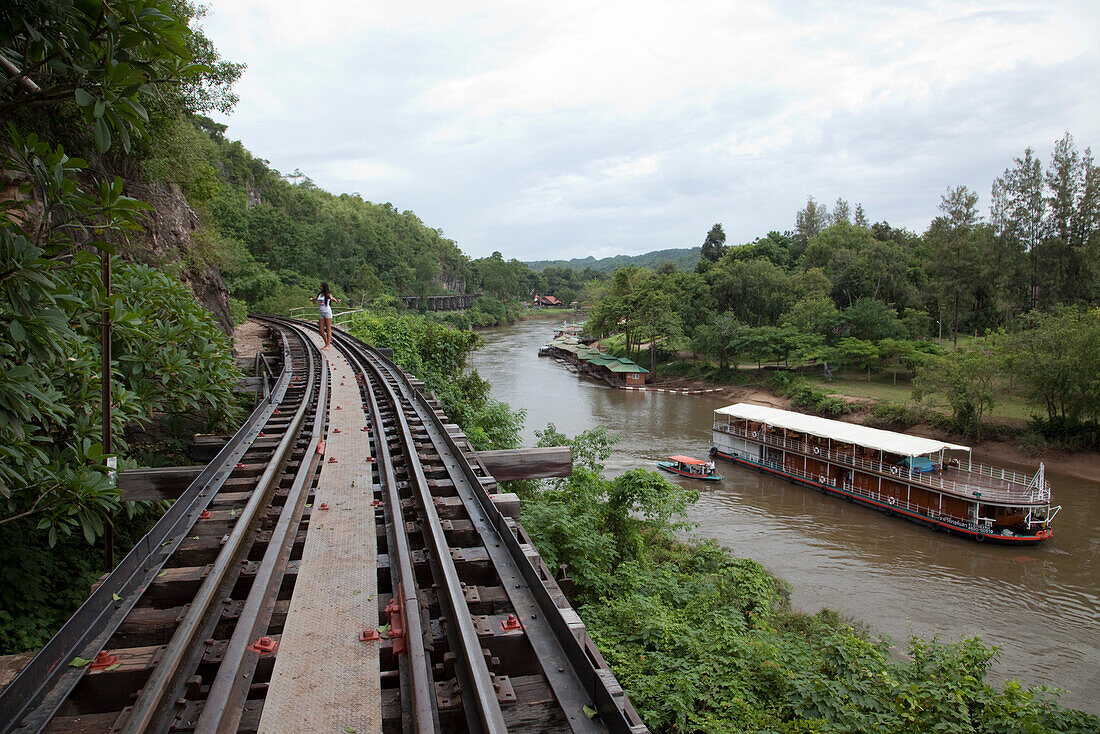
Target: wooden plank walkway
(325, 679)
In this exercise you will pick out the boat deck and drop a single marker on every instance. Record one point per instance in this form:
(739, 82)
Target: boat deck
(990, 484)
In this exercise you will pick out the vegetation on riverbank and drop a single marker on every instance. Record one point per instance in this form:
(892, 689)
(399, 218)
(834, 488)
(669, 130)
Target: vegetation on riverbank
(704, 641)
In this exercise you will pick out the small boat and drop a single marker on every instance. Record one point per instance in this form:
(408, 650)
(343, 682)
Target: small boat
(688, 467)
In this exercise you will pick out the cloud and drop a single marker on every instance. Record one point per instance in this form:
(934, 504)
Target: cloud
(556, 130)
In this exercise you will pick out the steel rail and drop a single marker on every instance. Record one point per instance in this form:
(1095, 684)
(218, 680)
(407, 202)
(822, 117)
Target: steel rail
(34, 696)
(225, 701)
(564, 661)
(522, 591)
(490, 718)
(150, 711)
(425, 716)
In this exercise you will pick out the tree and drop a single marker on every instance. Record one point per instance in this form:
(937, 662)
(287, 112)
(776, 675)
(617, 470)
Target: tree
(1017, 206)
(842, 212)
(655, 319)
(894, 353)
(857, 352)
(860, 218)
(714, 245)
(1057, 360)
(1067, 259)
(953, 252)
(108, 58)
(971, 378)
(756, 291)
(776, 247)
(811, 220)
(758, 343)
(960, 207)
(871, 320)
(167, 356)
(812, 315)
(716, 338)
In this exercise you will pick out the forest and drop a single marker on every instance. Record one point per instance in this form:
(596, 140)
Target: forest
(112, 165)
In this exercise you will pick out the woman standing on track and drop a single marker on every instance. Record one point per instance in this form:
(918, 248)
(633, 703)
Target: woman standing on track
(324, 301)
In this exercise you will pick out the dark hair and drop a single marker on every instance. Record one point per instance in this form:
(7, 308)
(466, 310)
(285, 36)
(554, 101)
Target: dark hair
(324, 291)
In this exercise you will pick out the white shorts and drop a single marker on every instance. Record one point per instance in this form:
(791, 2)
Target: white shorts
(326, 312)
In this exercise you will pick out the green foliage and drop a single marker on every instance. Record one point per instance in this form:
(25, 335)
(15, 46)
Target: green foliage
(593, 524)
(804, 395)
(167, 356)
(706, 642)
(182, 154)
(1057, 361)
(107, 60)
(971, 377)
(1067, 434)
(41, 585)
(285, 233)
(490, 311)
(820, 402)
(893, 416)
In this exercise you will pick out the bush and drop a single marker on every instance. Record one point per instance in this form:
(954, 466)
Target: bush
(680, 368)
(820, 402)
(238, 310)
(895, 416)
(785, 383)
(1067, 434)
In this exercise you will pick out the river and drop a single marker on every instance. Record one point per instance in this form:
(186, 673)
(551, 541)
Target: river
(1040, 605)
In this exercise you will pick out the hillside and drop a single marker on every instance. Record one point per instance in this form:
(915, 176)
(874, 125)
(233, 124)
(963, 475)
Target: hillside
(684, 258)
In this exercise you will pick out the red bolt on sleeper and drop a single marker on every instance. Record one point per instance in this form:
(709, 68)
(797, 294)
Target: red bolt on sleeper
(512, 623)
(103, 660)
(324, 506)
(265, 645)
(370, 636)
(332, 459)
(205, 515)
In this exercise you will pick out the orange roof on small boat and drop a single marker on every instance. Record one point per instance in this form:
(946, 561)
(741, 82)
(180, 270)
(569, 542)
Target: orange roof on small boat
(687, 460)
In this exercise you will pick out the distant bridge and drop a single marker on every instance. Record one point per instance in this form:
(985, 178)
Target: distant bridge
(452, 302)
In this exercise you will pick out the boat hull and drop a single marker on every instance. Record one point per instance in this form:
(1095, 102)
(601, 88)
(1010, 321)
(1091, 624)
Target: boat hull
(888, 508)
(673, 470)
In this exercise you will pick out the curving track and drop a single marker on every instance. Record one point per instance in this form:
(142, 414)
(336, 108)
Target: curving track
(475, 634)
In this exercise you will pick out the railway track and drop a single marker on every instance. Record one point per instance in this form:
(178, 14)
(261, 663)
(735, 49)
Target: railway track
(473, 635)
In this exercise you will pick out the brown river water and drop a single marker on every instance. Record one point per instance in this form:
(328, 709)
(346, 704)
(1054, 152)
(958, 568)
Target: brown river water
(1040, 605)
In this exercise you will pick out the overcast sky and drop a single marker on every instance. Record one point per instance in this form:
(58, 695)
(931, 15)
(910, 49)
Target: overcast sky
(565, 129)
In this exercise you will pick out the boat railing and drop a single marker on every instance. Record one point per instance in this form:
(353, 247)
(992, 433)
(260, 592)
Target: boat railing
(976, 480)
(881, 497)
(893, 502)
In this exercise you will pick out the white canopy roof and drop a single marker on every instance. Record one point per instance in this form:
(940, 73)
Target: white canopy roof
(894, 443)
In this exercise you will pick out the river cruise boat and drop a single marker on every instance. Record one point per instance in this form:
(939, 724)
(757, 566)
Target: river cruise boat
(686, 466)
(930, 482)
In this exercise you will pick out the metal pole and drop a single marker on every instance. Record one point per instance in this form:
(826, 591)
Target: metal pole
(105, 350)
